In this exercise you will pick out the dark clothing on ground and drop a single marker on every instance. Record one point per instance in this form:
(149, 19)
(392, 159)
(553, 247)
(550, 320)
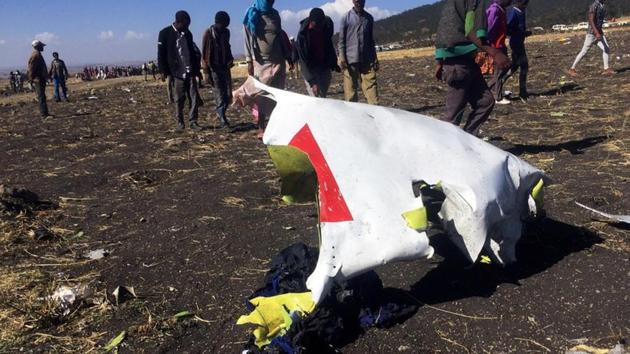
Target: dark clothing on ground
(466, 86)
(170, 60)
(182, 89)
(316, 51)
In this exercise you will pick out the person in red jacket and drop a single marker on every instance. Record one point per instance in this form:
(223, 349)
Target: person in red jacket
(497, 33)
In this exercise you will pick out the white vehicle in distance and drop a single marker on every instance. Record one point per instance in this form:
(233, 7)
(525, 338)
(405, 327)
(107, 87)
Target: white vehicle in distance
(559, 28)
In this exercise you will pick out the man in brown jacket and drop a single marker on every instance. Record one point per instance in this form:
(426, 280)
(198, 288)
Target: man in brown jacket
(38, 76)
(217, 60)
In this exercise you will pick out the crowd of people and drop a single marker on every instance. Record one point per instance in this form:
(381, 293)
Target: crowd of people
(465, 32)
(16, 81)
(103, 72)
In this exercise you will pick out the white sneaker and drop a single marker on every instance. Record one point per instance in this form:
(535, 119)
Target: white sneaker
(504, 101)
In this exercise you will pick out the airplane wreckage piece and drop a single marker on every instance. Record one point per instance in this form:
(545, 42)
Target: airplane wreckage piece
(369, 168)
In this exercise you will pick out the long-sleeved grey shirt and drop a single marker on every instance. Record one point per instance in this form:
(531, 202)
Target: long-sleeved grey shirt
(356, 39)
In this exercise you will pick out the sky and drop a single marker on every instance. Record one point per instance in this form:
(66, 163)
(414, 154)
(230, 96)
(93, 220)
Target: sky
(116, 31)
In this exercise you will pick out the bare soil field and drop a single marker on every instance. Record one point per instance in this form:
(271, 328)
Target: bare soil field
(191, 220)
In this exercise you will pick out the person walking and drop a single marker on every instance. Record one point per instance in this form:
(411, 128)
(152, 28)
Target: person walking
(496, 15)
(357, 54)
(267, 52)
(217, 62)
(316, 52)
(59, 74)
(177, 59)
(461, 32)
(595, 35)
(38, 76)
(517, 30)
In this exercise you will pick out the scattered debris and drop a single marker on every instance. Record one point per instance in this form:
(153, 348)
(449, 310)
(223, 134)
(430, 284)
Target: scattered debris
(288, 228)
(616, 218)
(20, 200)
(92, 98)
(114, 343)
(97, 254)
(126, 89)
(184, 314)
(66, 299)
(124, 293)
(587, 349)
(41, 234)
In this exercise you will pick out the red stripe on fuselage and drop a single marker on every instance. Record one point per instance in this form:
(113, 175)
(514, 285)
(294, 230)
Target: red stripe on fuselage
(333, 207)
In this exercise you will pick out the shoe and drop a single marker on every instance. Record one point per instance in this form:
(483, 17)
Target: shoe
(572, 72)
(180, 127)
(195, 126)
(609, 72)
(48, 116)
(504, 101)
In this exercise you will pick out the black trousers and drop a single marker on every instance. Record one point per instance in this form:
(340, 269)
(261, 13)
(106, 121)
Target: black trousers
(40, 89)
(222, 78)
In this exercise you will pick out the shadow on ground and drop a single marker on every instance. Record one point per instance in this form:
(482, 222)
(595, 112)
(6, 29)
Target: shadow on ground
(559, 90)
(575, 147)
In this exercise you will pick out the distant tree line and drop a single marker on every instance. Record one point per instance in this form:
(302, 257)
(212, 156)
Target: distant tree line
(419, 24)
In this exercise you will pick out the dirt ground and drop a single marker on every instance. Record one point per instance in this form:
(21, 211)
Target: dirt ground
(191, 221)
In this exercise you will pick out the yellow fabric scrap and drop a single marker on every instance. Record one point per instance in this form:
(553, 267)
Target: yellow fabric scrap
(272, 315)
(539, 194)
(416, 219)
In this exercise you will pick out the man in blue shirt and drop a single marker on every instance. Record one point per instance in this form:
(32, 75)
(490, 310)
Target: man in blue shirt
(517, 31)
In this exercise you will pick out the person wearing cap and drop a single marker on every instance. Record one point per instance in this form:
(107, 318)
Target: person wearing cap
(38, 76)
(357, 53)
(217, 61)
(59, 74)
(316, 52)
(178, 59)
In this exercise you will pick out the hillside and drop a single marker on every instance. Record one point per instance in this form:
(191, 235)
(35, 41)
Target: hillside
(419, 24)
